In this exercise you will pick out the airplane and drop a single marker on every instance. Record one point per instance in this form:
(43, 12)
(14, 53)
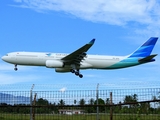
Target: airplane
(79, 59)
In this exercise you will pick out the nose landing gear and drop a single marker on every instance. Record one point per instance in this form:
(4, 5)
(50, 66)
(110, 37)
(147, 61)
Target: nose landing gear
(15, 67)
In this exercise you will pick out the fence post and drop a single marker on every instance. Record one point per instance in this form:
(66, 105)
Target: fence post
(111, 110)
(97, 96)
(31, 109)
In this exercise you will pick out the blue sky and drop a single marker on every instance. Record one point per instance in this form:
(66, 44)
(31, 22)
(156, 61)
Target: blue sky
(119, 27)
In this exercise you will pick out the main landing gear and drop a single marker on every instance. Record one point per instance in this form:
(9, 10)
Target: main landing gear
(76, 72)
(15, 67)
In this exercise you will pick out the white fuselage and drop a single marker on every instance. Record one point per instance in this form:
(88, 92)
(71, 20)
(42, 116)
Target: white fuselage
(89, 62)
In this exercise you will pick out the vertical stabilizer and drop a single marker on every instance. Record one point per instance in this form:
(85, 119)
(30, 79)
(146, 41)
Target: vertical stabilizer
(146, 49)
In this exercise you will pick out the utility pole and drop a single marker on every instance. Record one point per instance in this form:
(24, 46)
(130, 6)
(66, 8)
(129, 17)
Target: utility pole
(97, 96)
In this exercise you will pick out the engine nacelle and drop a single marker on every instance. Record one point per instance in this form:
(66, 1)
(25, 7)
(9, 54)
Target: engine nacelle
(61, 70)
(54, 64)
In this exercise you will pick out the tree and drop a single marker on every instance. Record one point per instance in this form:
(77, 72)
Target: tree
(90, 109)
(156, 97)
(75, 102)
(100, 102)
(118, 109)
(61, 102)
(156, 103)
(54, 108)
(144, 108)
(43, 102)
(91, 101)
(82, 102)
(131, 99)
(107, 103)
(159, 99)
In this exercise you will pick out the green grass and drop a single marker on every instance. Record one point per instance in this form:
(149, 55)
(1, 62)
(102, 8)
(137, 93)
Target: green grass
(79, 117)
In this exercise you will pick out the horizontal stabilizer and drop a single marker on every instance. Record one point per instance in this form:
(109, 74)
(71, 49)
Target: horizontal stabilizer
(148, 58)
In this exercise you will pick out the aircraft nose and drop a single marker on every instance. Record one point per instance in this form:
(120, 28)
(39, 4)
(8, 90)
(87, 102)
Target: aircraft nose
(4, 58)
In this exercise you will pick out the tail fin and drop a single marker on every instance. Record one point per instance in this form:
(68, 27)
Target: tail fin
(146, 49)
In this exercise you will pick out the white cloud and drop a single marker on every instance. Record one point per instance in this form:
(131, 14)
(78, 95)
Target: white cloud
(117, 12)
(63, 89)
(144, 13)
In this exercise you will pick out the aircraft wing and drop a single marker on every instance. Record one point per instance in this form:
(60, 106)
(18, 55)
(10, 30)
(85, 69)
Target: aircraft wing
(77, 56)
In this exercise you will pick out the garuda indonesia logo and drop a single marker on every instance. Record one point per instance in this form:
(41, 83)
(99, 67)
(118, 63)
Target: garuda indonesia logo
(49, 54)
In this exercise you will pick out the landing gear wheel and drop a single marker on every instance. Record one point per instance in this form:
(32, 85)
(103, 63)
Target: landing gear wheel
(72, 71)
(77, 73)
(80, 75)
(15, 69)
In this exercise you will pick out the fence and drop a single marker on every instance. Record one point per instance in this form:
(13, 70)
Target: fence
(79, 104)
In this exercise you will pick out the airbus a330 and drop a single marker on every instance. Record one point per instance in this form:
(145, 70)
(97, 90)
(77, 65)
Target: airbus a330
(79, 59)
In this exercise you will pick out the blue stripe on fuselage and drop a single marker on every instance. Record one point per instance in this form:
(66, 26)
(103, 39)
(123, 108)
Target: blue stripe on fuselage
(128, 62)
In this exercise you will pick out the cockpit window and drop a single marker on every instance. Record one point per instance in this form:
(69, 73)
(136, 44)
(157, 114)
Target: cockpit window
(6, 54)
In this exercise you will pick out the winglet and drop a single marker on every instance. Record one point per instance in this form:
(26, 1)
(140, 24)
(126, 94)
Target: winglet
(92, 41)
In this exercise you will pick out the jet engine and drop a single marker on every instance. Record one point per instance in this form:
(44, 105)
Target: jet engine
(61, 70)
(54, 64)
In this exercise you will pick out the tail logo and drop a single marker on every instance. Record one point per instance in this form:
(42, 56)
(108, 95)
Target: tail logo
(146, 49)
